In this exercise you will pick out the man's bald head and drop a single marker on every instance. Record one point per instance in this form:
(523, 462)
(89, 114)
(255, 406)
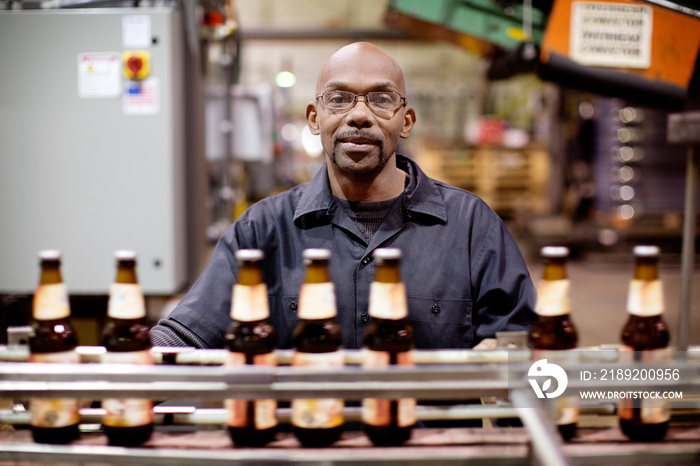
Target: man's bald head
(365, 55)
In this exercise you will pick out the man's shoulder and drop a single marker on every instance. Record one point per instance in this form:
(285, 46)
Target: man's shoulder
(422, 178)
(281, 202)
(453, 194)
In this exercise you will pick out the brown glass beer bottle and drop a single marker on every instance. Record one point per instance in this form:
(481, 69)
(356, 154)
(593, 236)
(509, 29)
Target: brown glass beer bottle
(53, 341)
(554, 331)
(317, 344)
(644, 337)
(127, 422)
(388, 340)
(251, 339)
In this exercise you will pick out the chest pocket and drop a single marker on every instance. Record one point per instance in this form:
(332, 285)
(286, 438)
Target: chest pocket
(441, 323)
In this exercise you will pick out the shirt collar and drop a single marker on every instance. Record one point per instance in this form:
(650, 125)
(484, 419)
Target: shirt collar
(421, 195)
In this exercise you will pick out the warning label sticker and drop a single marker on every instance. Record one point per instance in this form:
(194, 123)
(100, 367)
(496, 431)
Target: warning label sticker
(99, 75)
(611, 34)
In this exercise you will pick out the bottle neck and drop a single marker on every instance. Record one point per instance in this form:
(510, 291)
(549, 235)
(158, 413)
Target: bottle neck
(554, 269)
(387, 299)
(249, 273)
(317, 272)
(553, 291)
(645, 297)
(249, 301)
(50, 273)
(126, 299)
(317, 294)
(126, 272)
(646, 269)
(50, 300)
(388, 272)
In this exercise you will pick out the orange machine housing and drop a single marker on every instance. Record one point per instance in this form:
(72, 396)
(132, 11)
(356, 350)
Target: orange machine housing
(675, 42)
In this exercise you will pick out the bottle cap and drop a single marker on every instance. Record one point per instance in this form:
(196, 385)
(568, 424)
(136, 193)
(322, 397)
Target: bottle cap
(554, 251)
(646, 251)
(125, 255)
(316, 254)
(249, 255)
(387, 253)
(50, 254)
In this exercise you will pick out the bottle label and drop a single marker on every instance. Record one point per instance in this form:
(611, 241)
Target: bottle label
(264, 411)
(553, 298)
(51, 302)
(645, 298)
(324, 413)
(317, 301)
(651, 411)
(126, 301)
(388, 300)
(127, 412)
(249, 303)
(565, 409)
(130, 412)
(377, 411)
(59, 412)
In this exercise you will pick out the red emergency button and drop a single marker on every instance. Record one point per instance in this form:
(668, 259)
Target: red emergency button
(136, 64)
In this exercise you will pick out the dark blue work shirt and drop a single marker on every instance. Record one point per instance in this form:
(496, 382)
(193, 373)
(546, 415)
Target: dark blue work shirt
(465, 276)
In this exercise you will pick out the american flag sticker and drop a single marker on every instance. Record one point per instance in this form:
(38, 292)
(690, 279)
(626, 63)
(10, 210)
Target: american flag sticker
(141, 97)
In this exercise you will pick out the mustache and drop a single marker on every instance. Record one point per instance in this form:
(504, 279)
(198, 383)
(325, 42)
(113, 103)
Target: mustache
(356, 134)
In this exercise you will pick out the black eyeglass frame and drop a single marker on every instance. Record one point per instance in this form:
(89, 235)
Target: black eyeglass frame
(403, 100)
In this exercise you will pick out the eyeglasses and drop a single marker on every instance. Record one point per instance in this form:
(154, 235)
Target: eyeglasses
(383, 103)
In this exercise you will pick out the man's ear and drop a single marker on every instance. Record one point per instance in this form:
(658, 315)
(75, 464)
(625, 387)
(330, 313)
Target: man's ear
(409, 119)
(312, 118)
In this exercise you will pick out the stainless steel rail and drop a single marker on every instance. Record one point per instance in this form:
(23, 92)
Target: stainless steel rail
(216, 357)
(546, 443)
(684, 128)
(161, 382)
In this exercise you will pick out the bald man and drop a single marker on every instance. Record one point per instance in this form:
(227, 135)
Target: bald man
(465, 277)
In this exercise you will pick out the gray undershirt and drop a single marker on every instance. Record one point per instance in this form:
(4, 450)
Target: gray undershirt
(368, 216)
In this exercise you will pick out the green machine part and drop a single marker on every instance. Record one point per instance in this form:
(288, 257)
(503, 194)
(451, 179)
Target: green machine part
(499, 23)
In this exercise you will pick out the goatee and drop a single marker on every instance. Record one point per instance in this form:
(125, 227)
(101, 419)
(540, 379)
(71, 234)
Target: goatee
(359, 134)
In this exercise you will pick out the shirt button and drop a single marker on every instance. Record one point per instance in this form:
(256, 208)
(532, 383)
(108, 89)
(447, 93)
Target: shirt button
(366, 260)
(364, 318)
(293, 306)
(435, 308)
